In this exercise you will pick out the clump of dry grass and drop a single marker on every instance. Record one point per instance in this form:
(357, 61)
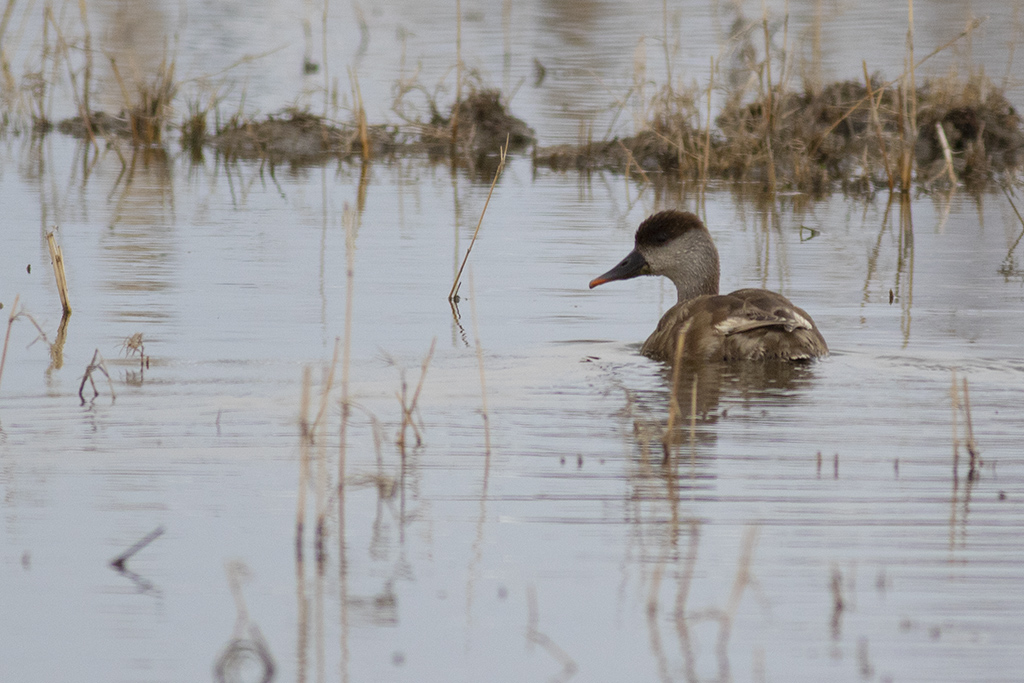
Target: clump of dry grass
(836, 136)
(473, 125)
(146, 115)
(193, 131)
(848, 134)
(300, 136)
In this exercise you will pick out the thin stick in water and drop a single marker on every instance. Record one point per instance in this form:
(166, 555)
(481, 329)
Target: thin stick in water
(119, 561)
(501, 165)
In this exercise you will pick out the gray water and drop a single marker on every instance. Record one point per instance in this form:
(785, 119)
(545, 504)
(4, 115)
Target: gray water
(808, 527)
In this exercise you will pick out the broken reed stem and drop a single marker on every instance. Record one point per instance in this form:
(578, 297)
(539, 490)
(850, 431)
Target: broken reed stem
(946, 152)
(120, 561)
(408, 408)
(503, 151)
(97, 363)
(57, 259)
(7, 337)
(305, 437)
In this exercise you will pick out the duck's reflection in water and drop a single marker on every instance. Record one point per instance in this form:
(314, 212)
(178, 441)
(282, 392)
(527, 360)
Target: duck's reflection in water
(671, 497)
(679, 419)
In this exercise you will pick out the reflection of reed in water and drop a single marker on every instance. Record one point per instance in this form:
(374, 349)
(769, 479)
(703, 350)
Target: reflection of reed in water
(704, 393)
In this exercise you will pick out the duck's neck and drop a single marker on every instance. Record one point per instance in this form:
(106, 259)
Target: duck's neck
(697, 274)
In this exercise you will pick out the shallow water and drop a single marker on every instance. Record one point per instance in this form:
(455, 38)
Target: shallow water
(566, 550)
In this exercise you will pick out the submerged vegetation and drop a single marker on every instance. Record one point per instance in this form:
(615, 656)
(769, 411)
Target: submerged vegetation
(850, 135)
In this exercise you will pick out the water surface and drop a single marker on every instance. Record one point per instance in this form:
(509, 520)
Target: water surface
(808, 527)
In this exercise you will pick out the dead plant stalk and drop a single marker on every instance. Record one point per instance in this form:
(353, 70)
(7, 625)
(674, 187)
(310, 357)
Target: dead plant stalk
(97, 363)
(501, 165)
(7, 337)
(409, 407)
(57, 259)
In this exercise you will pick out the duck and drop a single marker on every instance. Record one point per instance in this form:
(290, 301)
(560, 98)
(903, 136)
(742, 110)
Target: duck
(748, 324)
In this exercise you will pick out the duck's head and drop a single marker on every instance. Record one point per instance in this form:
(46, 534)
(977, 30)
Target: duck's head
(674, 244)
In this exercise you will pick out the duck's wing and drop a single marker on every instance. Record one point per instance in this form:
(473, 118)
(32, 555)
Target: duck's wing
(748, 324)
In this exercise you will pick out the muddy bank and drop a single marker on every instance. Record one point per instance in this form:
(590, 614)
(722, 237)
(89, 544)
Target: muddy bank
(847, 135)
(816, 141)
(476, 127)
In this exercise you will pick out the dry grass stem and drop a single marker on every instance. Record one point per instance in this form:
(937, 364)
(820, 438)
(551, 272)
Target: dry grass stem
(409, 406)
(325, 393)
(120, 561)
(97, 363)
(453, 293)
(7, 337)
(57, 259)
(946, 152)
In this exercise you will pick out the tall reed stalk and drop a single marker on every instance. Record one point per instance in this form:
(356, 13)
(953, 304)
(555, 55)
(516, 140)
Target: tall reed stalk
(453, 293)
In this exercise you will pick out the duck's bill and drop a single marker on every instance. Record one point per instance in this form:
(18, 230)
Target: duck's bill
(633, 265)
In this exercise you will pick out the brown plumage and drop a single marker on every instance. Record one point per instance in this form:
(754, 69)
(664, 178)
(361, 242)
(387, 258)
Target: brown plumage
(748, 324)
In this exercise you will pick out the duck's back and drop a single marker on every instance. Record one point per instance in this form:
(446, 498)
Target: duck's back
(748, 324)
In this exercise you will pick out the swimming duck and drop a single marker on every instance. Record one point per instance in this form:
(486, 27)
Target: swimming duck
(748, 324)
